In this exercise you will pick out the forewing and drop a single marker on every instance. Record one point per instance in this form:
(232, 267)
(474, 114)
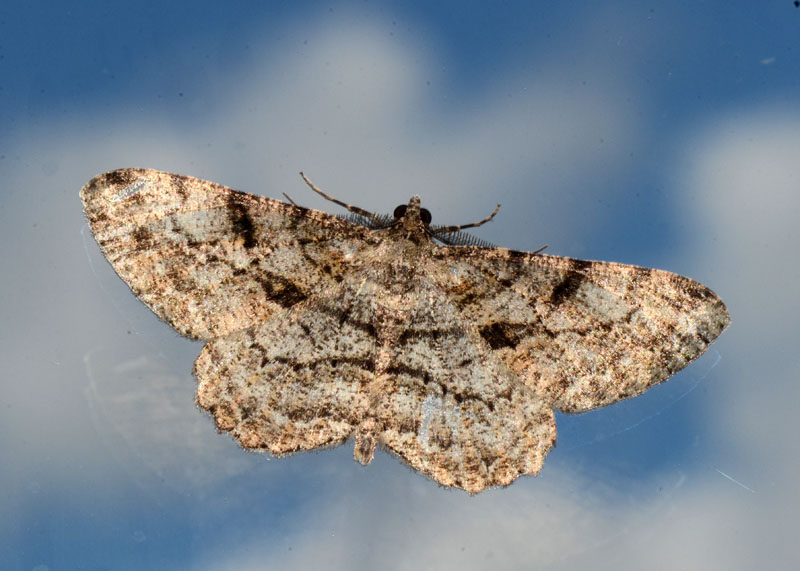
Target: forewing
(581, 334)
(211, 260)
(453, 410)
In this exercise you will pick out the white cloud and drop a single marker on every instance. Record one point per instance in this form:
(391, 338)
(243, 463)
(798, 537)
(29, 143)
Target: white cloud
(744, 185)
(744, 181)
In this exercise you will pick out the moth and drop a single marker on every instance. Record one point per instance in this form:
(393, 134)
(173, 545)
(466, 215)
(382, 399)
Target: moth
(450, 353)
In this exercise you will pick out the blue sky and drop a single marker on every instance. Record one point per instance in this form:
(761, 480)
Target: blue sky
(663, 135)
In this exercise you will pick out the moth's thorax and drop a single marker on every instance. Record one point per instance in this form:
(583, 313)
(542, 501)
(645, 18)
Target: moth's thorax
(404, 249)
(410, 224)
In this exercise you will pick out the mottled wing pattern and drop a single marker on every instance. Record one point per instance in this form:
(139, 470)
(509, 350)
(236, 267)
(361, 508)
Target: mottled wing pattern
(211, 260)
(451, 408)
(297, 381)
(581, 334)
(417, 380)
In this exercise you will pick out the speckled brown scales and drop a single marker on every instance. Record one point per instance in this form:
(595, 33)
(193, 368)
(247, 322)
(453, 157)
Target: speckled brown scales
(320, 329)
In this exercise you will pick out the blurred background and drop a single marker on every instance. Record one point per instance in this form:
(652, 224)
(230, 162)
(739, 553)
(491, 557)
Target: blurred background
(659, 134)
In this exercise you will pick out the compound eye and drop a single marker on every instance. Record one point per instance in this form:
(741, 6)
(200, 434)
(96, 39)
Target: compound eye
(425, 216)
(400, 211)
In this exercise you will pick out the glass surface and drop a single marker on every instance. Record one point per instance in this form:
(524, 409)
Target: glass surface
(659, 134)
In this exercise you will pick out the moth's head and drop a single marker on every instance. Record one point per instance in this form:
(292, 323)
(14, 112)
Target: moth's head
(412, 215)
